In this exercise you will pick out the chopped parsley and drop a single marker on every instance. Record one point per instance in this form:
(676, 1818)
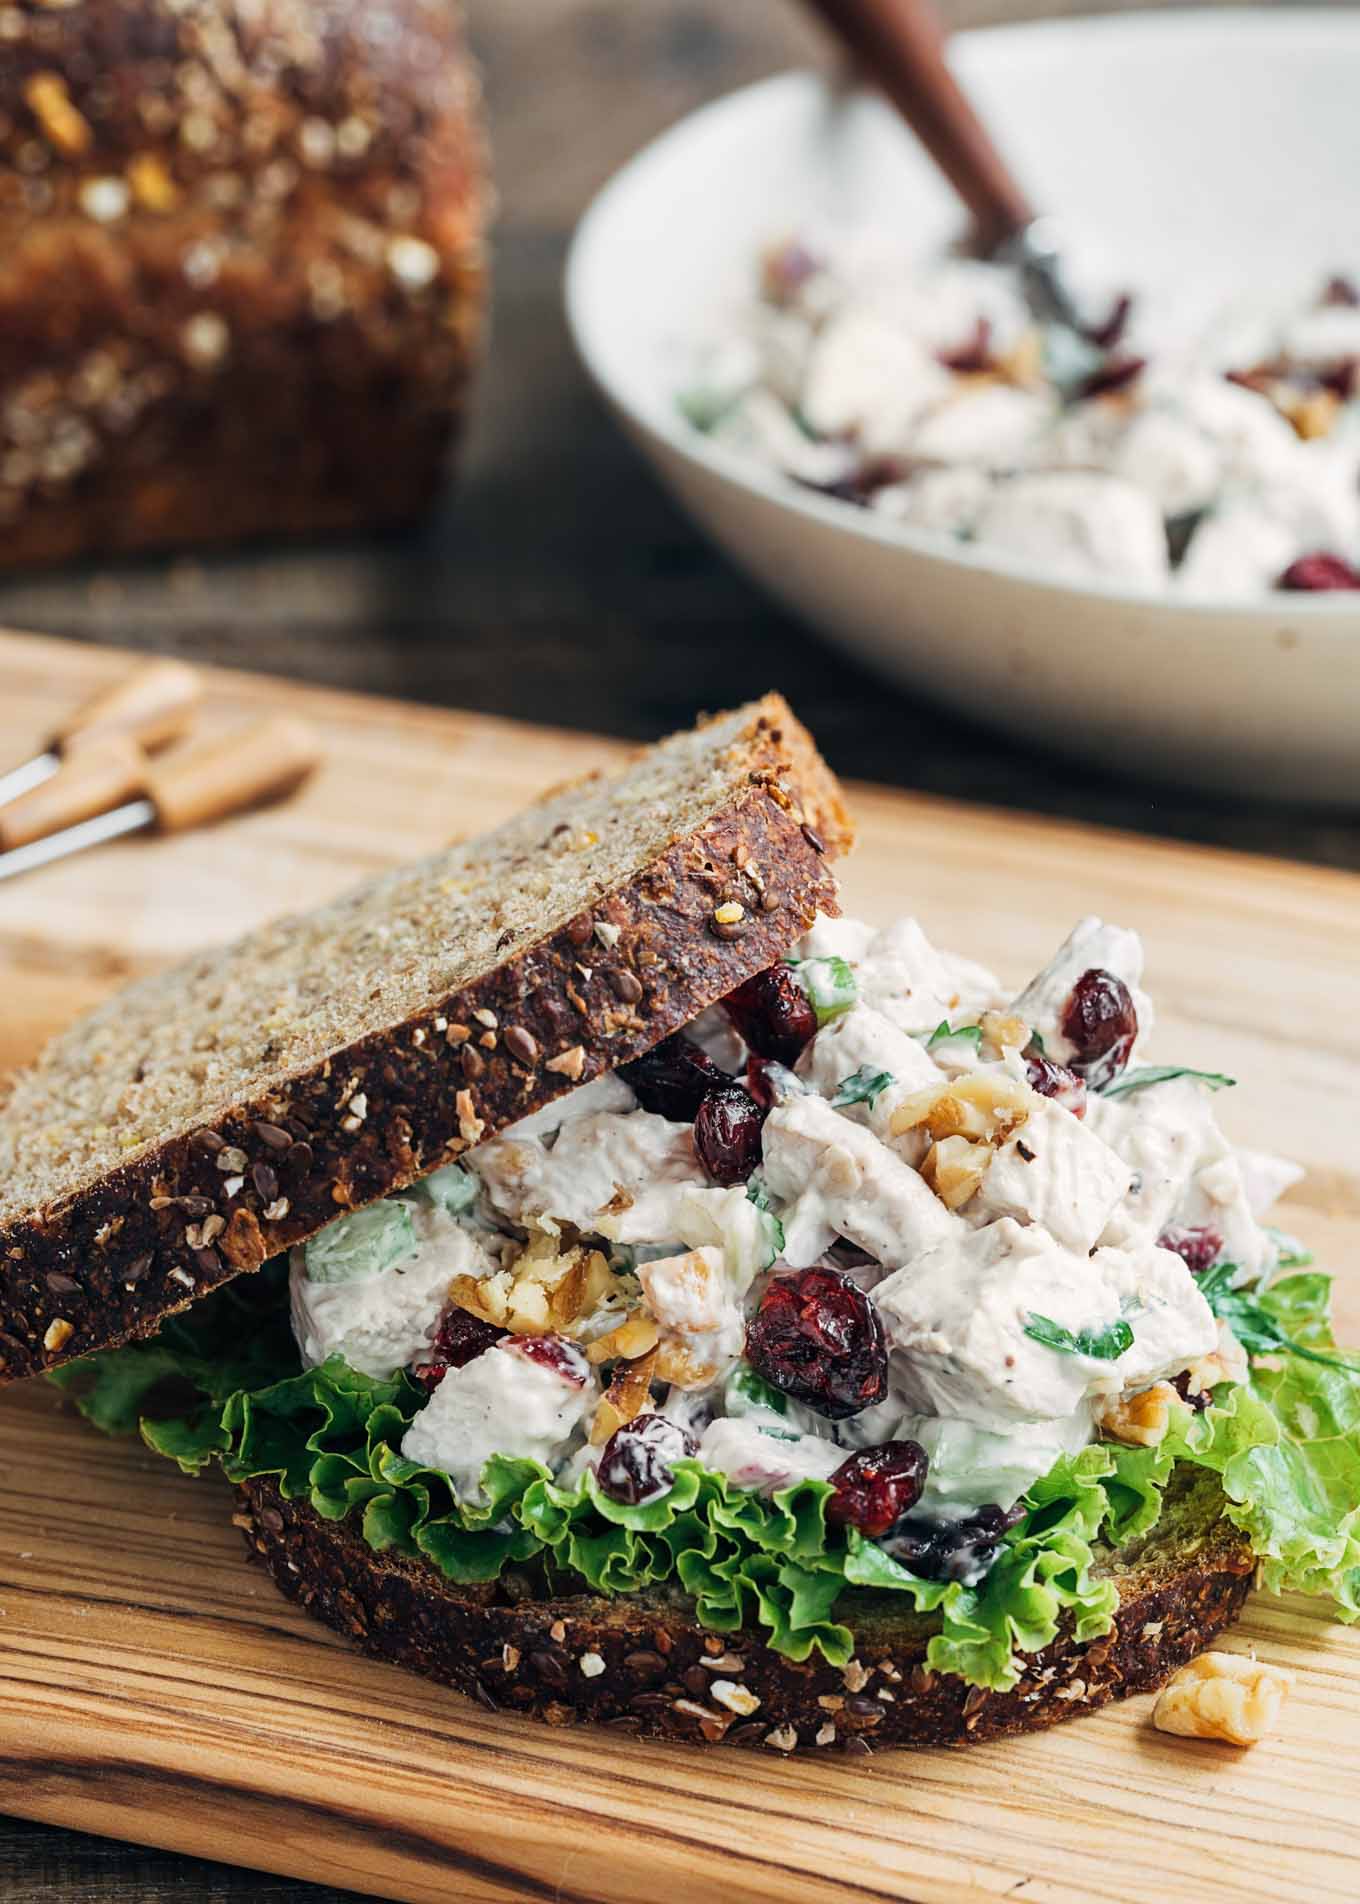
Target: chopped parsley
(862, 1087)
(830, 986)
(1258, 1330)
(944, 1032)
(1146, 1074)
(1102, 1345)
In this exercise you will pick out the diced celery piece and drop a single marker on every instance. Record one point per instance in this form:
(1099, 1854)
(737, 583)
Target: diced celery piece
(452, 1189)
(363, 1244)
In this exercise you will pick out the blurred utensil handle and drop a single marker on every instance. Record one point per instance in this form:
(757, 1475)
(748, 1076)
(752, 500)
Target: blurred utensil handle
(154, 704)
(899, 44)
(103, 772)
(191, 786)
(262, 761)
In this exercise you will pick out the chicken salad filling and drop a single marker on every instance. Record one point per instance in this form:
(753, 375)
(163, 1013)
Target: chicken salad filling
(878, 1275)
(862, 1207)
(1213, 454)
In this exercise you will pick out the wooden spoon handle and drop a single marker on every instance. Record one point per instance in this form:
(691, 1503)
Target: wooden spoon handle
(154, 704)
(206, 782)
(899, 44)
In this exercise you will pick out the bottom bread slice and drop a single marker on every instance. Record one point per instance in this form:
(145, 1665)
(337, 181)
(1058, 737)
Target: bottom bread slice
(642, 1664)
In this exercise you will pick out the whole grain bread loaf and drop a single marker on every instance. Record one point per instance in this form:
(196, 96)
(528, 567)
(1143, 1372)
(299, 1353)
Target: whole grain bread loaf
(241, 267)
(208, 1117)
(641, 1663)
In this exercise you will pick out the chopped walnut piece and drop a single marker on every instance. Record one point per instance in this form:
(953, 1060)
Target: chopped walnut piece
(546, 1288)
(627, 1397)
(676, 1363)
(1003, 1031)
(633, 1337)
(1023, 363)
(954, 1169)
(1226, 1696)
(986, 1106)
(1142, 1419)
(686, 1293)
(1313, 413)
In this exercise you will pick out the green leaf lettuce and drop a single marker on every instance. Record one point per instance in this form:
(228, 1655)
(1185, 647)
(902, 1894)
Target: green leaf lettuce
(223, 1383)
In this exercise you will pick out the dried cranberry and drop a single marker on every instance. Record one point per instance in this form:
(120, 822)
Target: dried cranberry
(727, 1134)
(1259, 379)
(974, 355)
(773, 1014)
(553, 1352)
(817, 1337)
(1057, 1081)
(953, 1550)
(1339, 290)
(759, 1082)
(871, 473)
(1116, 373)
(635, 1463)
(1100, 1023)
(1197, 1248)
(460, 1338)
(673, 1078)
(1320, 571)
(1105, 336)
(1197, 1399)
(786, 269)
(876, 1487)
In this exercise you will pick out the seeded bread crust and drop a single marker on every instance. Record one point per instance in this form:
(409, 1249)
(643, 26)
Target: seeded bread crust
(241, 268)
(642, 1664)
(149, 1237)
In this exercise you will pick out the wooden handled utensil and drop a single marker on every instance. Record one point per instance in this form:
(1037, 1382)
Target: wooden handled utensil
(152, 706)
(899, 44)
(190, 787)
(899, 47)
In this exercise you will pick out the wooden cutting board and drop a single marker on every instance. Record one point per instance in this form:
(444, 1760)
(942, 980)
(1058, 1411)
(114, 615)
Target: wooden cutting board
(154, 1686)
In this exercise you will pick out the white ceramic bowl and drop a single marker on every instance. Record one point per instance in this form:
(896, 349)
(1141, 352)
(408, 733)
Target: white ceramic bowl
(1214, 149)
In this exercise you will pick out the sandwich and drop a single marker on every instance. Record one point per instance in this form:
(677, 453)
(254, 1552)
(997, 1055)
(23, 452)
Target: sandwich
(621, 1288)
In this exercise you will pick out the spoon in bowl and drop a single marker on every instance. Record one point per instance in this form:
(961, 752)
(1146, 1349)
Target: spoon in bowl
(899, 44)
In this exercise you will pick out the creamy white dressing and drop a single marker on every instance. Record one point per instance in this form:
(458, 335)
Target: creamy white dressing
(380, 1324)
(1061, 1234)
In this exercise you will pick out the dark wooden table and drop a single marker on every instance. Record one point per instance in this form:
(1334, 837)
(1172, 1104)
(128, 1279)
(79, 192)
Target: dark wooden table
(559, 584)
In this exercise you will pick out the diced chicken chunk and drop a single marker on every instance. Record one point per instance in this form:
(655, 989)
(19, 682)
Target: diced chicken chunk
(843, 1182)
(750, 1458)
(1054, 1172)
(864, 1040)
(903, 976)
(502, 1402)
(958, 1318)
(869, 377)
(1185, 1172)
(608, 1092)
(631, 1163)
(1160, 1300)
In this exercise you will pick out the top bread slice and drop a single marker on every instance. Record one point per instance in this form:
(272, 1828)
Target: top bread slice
(208, 1117)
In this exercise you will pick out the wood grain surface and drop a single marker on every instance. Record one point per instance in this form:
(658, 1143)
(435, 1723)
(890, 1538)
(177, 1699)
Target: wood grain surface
(154, 1686)
(556, 582)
